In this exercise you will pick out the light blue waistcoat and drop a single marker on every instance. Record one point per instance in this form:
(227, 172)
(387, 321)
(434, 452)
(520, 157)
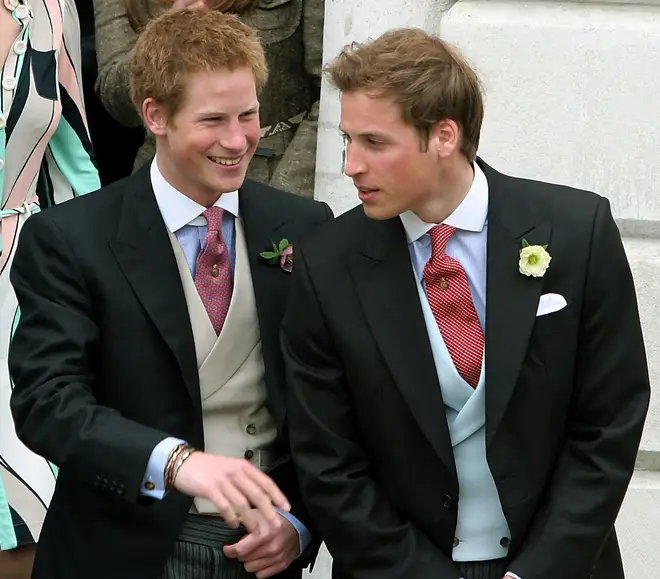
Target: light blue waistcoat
(481, 523)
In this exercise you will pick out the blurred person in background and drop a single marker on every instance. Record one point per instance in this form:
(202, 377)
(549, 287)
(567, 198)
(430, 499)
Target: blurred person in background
(115, 144)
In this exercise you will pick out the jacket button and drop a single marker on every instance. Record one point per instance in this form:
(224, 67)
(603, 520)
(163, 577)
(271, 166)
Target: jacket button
(504, 542)
(248, 454)
(447, 502)
(251, 429)
(121, 491)
(456, 541)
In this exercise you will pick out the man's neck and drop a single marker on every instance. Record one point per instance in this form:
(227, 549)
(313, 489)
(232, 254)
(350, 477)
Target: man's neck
(455, 184)
(205, 199)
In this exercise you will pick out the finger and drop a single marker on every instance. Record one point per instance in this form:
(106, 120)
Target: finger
(268, 571)
(237, 499)
(224, 508)
(248, 544)
(263, 493)
(255, 522)
(259, 552)
(257, 496)
(271, 489)
(263, 563)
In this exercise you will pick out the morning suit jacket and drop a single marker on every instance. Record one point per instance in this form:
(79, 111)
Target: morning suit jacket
(566, 393)
(104, 368)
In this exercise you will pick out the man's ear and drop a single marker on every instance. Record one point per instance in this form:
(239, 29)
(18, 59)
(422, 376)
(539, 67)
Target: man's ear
(445, 138)
(154, 117)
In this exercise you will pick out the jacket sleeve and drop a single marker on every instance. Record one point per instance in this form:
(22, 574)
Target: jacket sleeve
(51, 362)
(605, 422)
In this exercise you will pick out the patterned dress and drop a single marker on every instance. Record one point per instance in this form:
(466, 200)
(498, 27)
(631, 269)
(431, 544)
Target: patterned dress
(45, 158)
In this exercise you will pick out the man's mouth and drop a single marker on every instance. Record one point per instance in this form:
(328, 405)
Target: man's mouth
(226, 161)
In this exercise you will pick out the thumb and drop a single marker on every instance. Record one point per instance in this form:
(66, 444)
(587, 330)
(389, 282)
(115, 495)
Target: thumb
(231, 551)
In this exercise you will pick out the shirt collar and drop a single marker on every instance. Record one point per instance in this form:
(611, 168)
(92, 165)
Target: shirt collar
(177, 209)
(470, 215)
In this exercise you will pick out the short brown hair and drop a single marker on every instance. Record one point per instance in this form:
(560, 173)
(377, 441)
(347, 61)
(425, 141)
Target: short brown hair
(426, 77)
(178, 44)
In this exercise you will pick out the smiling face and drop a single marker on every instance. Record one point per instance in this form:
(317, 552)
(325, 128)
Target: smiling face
(385, 158)
(205, 148)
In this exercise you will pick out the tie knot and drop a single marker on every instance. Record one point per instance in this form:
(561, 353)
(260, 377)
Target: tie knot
(213, 217)
(440, 235)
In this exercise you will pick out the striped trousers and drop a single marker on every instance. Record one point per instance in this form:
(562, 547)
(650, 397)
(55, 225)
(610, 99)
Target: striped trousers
(198, 551)
(482, 569)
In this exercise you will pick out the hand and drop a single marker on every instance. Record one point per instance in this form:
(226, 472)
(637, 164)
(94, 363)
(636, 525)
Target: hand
(179, 5)
(233, 485)
(265, 550)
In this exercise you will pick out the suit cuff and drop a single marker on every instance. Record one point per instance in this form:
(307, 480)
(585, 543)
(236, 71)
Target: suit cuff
(153, 482)
(304, 536)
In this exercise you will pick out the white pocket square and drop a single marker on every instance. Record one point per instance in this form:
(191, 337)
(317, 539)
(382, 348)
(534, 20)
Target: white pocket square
(550, 303)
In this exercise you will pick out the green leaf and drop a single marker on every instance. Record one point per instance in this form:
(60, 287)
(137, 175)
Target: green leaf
(274, 261)
(284, 244)
(275, 249)
(524, 243)
(269, 254)
(545, 246)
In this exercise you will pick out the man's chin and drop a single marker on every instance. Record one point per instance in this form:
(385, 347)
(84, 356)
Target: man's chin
(373, 211)
(228, 184)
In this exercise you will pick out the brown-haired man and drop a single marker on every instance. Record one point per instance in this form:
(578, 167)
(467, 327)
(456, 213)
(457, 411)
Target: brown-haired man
(420, 456)
(150, 328)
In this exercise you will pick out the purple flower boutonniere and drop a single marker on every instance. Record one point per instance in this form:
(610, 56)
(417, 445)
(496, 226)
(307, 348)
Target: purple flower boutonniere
(282, 254)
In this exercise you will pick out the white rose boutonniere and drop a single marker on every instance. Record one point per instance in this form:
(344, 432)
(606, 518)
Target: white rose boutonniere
(534, 259)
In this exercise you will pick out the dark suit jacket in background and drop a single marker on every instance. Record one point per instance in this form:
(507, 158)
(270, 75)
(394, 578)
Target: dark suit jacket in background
(566, 398)
(104, 367)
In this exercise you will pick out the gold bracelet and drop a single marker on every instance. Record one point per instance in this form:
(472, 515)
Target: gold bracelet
(171, 459)
(185, 455)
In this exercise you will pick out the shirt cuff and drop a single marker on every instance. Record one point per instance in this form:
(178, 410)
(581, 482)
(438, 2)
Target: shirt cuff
(304, 536)
(153, 482)
(512, 575)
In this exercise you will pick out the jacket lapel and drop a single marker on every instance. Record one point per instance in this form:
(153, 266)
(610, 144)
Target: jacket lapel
(511, 297)
(388, 294)
(144, 253)
(263, 221)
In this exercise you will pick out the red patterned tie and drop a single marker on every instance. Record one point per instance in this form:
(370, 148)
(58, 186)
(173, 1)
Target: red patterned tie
(449, 295)
(213, 277)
